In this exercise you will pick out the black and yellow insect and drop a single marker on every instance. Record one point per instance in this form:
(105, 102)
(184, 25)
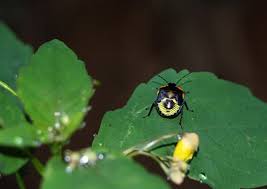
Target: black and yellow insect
(170, 100)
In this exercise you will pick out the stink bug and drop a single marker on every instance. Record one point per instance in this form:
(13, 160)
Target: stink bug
(170, 100)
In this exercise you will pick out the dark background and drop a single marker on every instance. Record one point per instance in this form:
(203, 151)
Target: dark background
(126, 42)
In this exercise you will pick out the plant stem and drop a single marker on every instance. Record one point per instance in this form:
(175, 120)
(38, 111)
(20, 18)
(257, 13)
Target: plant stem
(158, 159)
(5, 86)
(36, 163)
(20, 181)
(148, 145)
(56, 148)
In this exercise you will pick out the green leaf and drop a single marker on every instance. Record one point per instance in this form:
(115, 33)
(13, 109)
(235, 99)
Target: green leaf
(55, 89)
(24, 136)
(11, 160)
(13, 55)
(119, 173)
(14, 129)
(10, 113)
(230, 121)
(11, 117)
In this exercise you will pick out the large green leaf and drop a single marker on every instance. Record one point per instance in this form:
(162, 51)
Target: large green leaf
(10, 113)
(14, 129)
(10, 117)
(13, 55)
(55, 89)
(230, 121)
(12, 134)
(11, 160)
(119, 173)
(24, 136)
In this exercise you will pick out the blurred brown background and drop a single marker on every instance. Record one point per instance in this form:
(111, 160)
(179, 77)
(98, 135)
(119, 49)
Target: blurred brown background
(126, 42)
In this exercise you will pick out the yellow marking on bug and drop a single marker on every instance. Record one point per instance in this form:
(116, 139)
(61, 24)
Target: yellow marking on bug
(168, 112)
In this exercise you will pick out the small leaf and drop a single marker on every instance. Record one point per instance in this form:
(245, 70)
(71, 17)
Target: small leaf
(10, 113)
(23, 136)
(13, 55)
(10, 117)
(55, 89)
(119, 173)
(11, 160)
(230, 122)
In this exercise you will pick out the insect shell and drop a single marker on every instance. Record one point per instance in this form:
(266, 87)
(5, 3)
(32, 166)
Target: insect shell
(170, 100)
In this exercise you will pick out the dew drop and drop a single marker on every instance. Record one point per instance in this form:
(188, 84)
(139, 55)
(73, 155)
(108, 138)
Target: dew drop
(69, 169)
(57, 114)
(65, 119)
(39, 132)
(50, 129)
(57, 125)
(179, 137)
(18, 141)
(67, 158)
(100, 156)
(87, 109)
(94, 135)
(82, 125)
(36, 143)
(84, 160)
(202, 177)
(100, 144)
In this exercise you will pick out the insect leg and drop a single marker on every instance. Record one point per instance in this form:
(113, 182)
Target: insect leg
(150, 110)
(181, 118)
(186, 106)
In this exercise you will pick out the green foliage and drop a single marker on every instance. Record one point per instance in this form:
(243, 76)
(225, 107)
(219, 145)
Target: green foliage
(228, 119)
(13, 55)
(113, 173)
(53, 90)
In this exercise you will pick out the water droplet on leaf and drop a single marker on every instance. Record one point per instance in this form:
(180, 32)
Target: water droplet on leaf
(87, 109)
(100, 156)
(57, 114)
(65, 120)
(18, 141)
(57, 125)
(202, 177)
(82, 125)
(69, 169)
(84, 160)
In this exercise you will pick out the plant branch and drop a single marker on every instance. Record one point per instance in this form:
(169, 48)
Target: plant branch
(36, 163)
(5, 86)
(20, 181)
(149, 145)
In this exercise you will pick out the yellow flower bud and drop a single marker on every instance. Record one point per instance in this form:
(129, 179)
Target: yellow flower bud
(184, 151)
(186, 147)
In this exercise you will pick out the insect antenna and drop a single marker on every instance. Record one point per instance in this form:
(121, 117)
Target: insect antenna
(182, 78)
(163, 79)
(158, 83)
(188, 81)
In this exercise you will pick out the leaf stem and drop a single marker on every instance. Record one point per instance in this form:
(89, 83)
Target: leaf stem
(5, 86)
(56, 148)
(20, 181)
(36, 163)
(158, 159)
(149, 145)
